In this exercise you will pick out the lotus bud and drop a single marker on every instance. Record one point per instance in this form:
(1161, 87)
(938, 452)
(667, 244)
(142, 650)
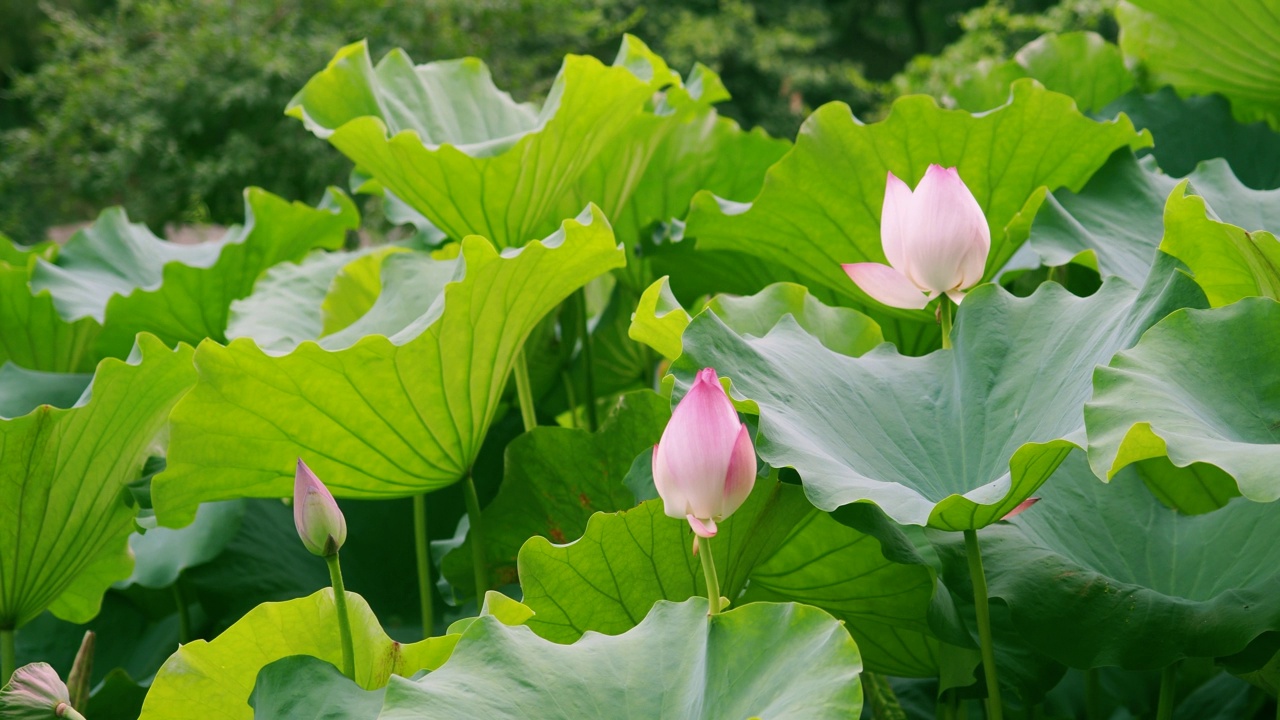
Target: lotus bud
(320, 523)
(35, 692)
(705, 465)
(936, 240)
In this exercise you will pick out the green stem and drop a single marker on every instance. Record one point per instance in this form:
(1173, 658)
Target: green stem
(8, 654)
(344, 620)
(881, 697)
(476, 535)
(524, 391)
(995, 710)
(944, 318)
(567, 381)
(1092, 694)
(422, 553)
(184, 613)
(709, 571)
(588, 360)
(946, 708)
(69, 713)
(1168, 688)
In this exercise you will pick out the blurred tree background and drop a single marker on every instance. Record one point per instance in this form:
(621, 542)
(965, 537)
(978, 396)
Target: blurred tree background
(172, 107)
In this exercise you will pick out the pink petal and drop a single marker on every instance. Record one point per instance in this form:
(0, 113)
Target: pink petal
(894, 215)
(702, 528)
(697, 447)
(1021, 507)
(886, 285)
(956, 296)
(673, 501)
(947, 238)
(741, 477)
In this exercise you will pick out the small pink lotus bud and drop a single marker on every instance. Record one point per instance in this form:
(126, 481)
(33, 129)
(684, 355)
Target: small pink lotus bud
(936, 240)
(704, 467)
(320, 523)
(35, 692)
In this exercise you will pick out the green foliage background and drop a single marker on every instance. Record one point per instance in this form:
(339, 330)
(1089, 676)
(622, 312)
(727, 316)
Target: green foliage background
(171, 108)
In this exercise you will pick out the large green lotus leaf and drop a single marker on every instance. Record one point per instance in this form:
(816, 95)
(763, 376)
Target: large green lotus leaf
(555, 479)
(883, 599)
(293, 302)
(1115, 221)
(384, 416)
(26, 390)
(955, 439)
(1097, 574)
(1200, 393)
(607, 580)
(446, 141)
(122, 276)
(1191, 130)
(64, 519)
(1202, 48)
(1229, 261)
(702, 151)
(1120, 217)
(762, 660)
(285, 307)
(1080, 64)
(301, 687)
(162, 554)
(32, 333)
(820, 205)
(659, 320)
(354, 290)
(11, 253)
(213, 680)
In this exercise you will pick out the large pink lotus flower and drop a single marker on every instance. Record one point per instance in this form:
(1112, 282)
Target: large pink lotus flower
(704, 466)
(320, 522)
(936, 240)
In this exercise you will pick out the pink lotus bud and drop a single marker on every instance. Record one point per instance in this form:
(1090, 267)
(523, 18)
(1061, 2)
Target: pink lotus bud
(704, 466)
(936, 240)
(35, 692)
(320, 523)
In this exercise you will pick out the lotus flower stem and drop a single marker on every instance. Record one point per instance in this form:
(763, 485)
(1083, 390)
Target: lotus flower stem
(951, 706)
(8, 654)
(995, 710)
(69, 713)
(422, 553)
(184, 615)
(567, 381)
(1168, 691)
(945, 308)
(344, 620)
(524, 391)
(1093, 695)
(588, 360)
(476, 534)
(709, 570)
